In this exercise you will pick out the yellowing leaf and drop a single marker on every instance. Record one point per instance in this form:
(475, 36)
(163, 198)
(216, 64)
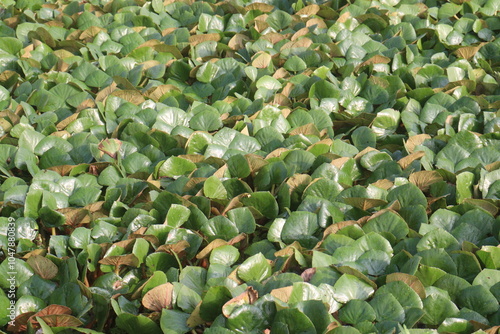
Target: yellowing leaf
(301, 32)
(344, 17)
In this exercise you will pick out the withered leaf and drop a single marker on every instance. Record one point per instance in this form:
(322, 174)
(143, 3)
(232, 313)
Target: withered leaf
(42, 266)
(412, 281)
(159, 297)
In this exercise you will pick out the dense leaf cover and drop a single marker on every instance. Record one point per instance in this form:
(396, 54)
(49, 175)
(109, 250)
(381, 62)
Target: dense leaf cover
(229, 166)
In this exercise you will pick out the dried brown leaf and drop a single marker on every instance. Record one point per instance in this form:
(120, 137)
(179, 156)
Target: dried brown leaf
(309, 10)
(195, 318)
(424, 179)
(42, 266)
(483, 204)
(205, 252)
(282, 294)
(262, 60)
(263, 7)
(316, 23)
(132, 96)
(306, 129)
(413, 141)
(410, 280)
(377, 59)
(334, 228)
(121, 260)
(238, 42)
(406, 161)
(364, 203)
(467, 52)
(249, 296)
(61, 320)
(176, 248)
(159, 297)
(384, 184)
(197, 39)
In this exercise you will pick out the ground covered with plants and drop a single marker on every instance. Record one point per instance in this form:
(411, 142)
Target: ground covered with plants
(229, 166)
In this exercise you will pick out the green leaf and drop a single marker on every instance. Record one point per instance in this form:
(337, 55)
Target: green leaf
(214, 299)
(80, 238)
(213, 188)
(175, 166)
(84, 196)
(226, 255)
(404, 294)
(301, 226)
(174, 321)
(454, 285)
(219, 227)
(207, 72)
(349, 287)
(177, 215)
(238, 166)
(269, 83)
(21, 269)
(479, 299)
(455, 325)
(279, 20)
(255, 268)
(389, 222)
(295, 64)
(316, 311)
(207, 120)
(407, 194)
(364, 137)
(437, 308)
(387, 307)
(27, 304)
(262, 201)
(292, 320)
(135, 323)
(438, 238)
(10, 45)
(243, 219)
